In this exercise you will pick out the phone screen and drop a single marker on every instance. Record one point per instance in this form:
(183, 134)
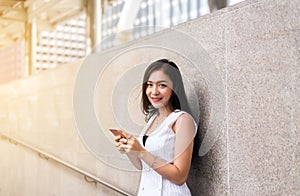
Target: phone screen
(116, 132)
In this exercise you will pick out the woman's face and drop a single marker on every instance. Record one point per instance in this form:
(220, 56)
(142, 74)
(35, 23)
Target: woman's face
(159, 89)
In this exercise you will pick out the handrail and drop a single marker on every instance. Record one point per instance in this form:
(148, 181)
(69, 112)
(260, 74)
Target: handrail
(44, 155)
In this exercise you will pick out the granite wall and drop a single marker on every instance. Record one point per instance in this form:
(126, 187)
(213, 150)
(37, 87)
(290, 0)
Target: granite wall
(242, 69)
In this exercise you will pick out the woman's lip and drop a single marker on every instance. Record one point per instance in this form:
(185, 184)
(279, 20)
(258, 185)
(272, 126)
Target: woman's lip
(156, 99)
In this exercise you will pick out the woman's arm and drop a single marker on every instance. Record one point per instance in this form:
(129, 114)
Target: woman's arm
(135, 161)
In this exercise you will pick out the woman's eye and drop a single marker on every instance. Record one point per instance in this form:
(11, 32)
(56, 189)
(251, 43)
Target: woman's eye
(149, 84)
(162, 85)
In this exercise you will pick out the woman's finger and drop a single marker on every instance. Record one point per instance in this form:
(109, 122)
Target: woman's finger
(123, 140)
(117, 138)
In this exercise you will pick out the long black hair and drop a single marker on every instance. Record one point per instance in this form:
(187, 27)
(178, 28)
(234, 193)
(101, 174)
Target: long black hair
(178, 99)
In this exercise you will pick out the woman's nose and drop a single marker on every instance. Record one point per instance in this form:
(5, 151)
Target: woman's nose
(155, 90)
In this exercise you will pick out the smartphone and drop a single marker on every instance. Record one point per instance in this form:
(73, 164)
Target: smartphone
(116, 132)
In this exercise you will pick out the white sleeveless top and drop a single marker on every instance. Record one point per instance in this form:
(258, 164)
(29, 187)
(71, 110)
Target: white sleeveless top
(161, 144)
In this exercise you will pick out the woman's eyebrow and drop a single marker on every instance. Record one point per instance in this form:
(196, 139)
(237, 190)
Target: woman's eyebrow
(160, 81)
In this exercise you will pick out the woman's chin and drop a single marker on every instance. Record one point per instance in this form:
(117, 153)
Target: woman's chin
(158, 105)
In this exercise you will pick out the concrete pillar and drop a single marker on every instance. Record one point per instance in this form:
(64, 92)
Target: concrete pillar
(94, 12)
(31, 43)
(216, 4)
(128, 15)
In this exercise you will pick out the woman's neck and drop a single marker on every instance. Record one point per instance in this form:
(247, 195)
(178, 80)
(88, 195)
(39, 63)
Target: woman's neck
(164, 111)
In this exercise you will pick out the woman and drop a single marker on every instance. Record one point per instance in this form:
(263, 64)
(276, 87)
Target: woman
(164, 148)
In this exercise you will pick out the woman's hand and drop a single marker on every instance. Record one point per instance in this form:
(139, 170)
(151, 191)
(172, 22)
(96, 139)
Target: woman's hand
(119, 140)
(128, 144)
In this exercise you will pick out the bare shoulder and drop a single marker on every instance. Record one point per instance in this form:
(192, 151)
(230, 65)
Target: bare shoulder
(184, 120)
(185, 117)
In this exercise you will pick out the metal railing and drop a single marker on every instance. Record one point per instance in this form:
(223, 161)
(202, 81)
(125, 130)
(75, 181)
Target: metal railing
(89, 178)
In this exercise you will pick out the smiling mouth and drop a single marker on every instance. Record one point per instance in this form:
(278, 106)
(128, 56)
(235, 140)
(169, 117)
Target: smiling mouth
(156, 99)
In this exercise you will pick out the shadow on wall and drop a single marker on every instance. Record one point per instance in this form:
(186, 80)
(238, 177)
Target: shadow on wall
(206, 176)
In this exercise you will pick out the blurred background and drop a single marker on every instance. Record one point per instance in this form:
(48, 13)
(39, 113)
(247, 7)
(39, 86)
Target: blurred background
(36, 35)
